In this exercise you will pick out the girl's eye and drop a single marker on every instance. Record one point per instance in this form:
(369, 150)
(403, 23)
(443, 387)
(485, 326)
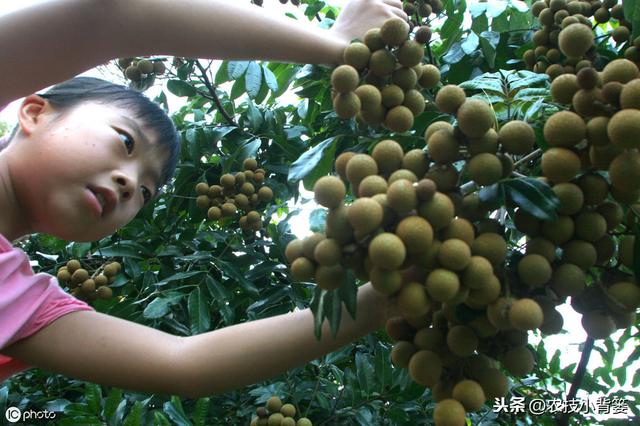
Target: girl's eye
(128, 141)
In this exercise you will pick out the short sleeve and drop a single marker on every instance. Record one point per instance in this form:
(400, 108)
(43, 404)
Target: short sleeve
(28, 303)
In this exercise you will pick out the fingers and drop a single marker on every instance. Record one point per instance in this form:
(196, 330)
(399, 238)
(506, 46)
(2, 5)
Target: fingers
(400, 13)
(394, 3)
(396, 8)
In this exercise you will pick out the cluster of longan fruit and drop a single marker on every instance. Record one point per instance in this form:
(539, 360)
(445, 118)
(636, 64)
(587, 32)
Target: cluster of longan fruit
(244, 190)
(86, 286)
(565, 42)
(420, 10)
(420, 247)
(474, 140)
(392, 73)
(275, 413)
(136, 69)
(598, 133)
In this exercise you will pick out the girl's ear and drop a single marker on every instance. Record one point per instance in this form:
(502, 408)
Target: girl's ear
(31, 112)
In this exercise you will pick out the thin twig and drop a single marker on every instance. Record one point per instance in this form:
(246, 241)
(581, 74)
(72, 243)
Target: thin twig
(214, 95)
(528, 157)
(563, 419)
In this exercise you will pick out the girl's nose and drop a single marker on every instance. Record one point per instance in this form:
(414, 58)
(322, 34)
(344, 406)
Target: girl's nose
(125, 185)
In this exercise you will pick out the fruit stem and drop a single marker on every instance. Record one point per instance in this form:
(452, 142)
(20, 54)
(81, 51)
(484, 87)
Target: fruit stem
(563, 419)
(214, 95)
(527, 158)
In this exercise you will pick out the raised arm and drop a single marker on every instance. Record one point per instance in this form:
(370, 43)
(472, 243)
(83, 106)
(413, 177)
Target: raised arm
(56, 40)
(113, 352)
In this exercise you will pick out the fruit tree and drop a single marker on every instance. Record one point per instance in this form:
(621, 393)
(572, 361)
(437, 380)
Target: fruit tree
(479, 165)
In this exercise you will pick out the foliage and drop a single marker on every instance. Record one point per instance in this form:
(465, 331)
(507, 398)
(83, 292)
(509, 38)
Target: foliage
(185, 275)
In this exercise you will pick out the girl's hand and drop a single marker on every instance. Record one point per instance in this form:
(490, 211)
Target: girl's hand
(359, 16)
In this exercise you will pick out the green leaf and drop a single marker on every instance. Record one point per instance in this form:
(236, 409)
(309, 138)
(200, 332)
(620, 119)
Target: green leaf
(455, 54)
(349, 293)
(181, 88)
(270, 79)
(632, 14)
(317, 307)
(238, 88)
(308, 161)
(222, 76)
(201, 411)
(334, 305)
(198, 312)
(471, 43)
(160, 419)
(135, 415)
(317, 220)
(533, 196)
(636, 253)
(93, 395)
(255, 117)
(178, 277)
(488, 44)
(160, 306)
(253, 79)
(236, 69)
(111, 404)
(175, 412)
(231, 271)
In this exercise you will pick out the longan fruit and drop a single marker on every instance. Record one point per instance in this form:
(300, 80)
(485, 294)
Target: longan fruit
(346, 105)
(329, 191)
(265, 194)
(394, 31)
(449, 98)
(344, 79)
(534, 270)
(490, 246)
(439, 210)
(564, 87)
(293, 250)
(382, 63)
(360, 166)
(399, 119)
(517, 137)
(485, 169)
(575, 39)
(104, 292)
(598, 325)
(564, 129)
(430, 77)
(356, 55)
(330, 277)
(620, 70)
(387, 251)
(249, 164)
(443, 147)
(470, 394)
(475, 117)
(462, 340)
(560, 164)
(449, 412)
(518, 361)
(425, 368)
(302, 269)
(526, 314)
(623, 128)
(442, 284)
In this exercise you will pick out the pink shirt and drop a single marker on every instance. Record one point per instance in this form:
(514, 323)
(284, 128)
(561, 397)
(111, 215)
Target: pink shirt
(28, 303)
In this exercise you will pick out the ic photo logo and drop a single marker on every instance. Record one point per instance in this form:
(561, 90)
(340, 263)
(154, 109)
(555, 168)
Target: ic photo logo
(13, 414)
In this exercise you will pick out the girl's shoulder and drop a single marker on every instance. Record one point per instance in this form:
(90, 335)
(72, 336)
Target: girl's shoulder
(28, 301)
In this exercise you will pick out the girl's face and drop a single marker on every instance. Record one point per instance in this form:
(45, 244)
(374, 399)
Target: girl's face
(83, 174)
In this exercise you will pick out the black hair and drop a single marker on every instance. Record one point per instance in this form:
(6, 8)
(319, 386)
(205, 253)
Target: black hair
(75, 91)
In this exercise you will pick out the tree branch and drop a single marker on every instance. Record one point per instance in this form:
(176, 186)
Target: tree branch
(563, 419)
(214, 95)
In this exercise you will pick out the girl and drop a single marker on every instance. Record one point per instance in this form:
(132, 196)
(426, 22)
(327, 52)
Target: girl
(87, 155)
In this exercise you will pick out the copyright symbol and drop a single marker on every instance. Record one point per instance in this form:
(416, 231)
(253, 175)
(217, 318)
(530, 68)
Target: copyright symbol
(13, 414)
(537, 406)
